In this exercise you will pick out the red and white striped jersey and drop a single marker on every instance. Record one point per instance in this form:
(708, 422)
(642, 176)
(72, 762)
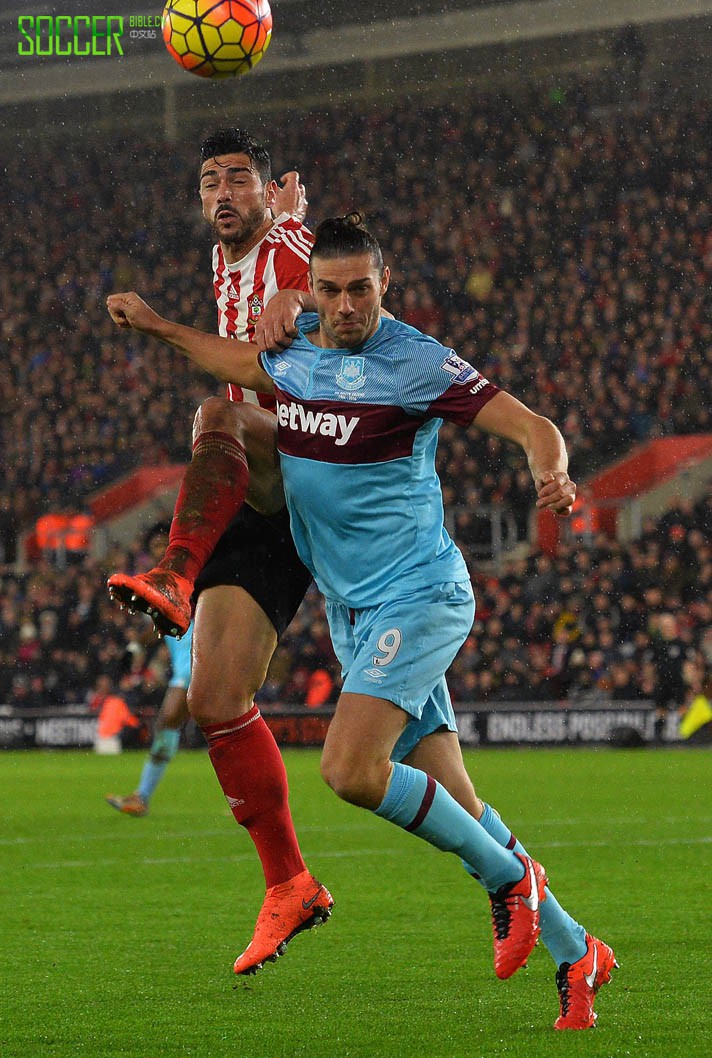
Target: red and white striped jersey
(279, 262)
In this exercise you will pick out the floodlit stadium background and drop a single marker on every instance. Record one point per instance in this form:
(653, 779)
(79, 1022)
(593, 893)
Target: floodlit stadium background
(538, 174)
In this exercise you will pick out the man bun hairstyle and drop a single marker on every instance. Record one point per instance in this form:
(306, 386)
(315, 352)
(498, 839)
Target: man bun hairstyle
(237, 141)
(346, 236)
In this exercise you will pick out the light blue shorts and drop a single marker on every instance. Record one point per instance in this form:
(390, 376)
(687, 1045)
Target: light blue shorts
(179, 651)
(401, 650)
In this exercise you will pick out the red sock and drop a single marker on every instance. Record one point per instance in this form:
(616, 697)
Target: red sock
(212, 492)
(251, 771)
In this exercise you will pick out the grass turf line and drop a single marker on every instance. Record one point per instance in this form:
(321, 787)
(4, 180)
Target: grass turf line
(118, 934)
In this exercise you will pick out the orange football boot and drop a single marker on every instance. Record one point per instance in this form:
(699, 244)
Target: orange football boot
(288, 908)
(133, 805)
(515, 917)
(162, 594)
(579, 982)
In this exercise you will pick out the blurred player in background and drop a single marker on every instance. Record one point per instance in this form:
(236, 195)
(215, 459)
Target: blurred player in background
(171, 716)
(359, 404)
(166, 734)
(251, 579)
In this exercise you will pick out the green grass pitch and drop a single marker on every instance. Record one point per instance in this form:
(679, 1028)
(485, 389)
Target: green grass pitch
(118, 934)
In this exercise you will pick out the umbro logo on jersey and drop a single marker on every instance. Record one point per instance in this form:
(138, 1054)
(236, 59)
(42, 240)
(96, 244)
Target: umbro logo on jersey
(375, 674)
(282, 367)
(304, 420)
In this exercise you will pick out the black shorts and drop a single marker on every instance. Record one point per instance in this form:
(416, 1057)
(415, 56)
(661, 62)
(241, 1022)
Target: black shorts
(258, 554)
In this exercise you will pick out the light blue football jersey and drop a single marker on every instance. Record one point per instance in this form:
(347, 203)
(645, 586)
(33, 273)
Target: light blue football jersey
(357, 435)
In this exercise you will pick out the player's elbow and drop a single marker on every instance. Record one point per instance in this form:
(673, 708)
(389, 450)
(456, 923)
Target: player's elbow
(541, 434)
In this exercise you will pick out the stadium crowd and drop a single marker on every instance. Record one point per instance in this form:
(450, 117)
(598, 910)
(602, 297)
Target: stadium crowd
(565, 250)
(608, 622)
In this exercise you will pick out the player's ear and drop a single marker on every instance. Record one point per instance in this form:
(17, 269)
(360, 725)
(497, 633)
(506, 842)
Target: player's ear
(311, 283)
(270, 193)
(385, 280)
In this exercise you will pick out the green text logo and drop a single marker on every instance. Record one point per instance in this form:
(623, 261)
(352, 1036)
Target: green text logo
(70, 34)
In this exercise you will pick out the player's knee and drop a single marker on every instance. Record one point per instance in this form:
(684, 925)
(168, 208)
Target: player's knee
(214, 704)
(360, 785)
(216, 413)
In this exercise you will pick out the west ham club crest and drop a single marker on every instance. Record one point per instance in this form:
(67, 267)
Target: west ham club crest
(352, 373)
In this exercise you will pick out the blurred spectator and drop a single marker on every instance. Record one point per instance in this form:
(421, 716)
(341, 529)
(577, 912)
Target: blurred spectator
(668, 653)
(319, 688)
(629, 52)
(696, 720)
(117, 727)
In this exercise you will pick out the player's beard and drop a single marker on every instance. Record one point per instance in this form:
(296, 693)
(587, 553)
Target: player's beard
(244, 227)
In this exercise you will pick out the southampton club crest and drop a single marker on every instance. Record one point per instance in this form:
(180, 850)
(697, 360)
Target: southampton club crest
(352, 373)
(255, 308)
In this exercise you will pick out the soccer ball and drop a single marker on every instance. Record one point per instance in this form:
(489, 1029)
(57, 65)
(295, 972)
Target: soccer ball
(217, 38)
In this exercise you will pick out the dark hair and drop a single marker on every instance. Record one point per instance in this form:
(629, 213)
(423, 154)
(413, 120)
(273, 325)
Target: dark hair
(237, 141)
(343, 236)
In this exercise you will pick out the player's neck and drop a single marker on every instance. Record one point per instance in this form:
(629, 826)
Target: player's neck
(235, 251)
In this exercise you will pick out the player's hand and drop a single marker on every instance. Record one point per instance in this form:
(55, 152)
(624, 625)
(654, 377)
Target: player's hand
(130, 311)
(291, 197)
(277, 326)
(556, 492)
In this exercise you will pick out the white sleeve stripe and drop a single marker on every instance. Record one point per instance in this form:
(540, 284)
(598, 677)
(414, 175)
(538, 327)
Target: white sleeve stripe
(279, 231)
(294, 238)
(299, 234)
(295, 246)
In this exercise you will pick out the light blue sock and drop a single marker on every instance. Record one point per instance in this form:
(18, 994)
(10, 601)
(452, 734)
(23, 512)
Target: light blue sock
(163, 749)
(563, 937)
(418, 803)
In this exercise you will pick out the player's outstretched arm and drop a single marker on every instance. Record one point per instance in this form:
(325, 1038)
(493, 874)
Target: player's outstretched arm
(507, 417)
(226, 359)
